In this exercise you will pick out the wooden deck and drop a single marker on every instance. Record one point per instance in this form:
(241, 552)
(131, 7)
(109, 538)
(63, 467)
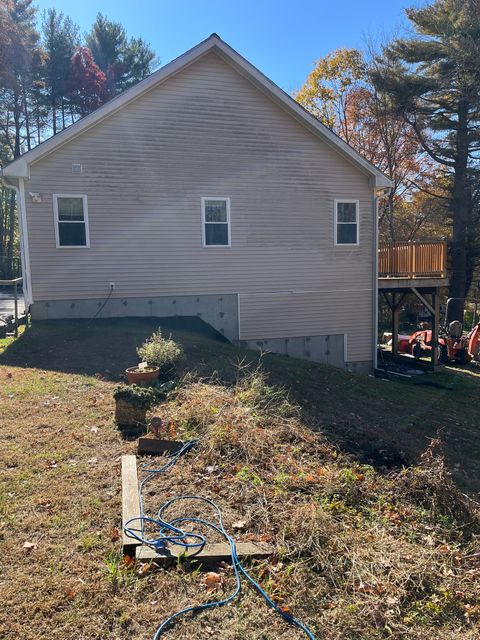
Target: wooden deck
(412, 260)
(413, 268)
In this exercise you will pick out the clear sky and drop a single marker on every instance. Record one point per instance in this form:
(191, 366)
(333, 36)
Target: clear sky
(282, 38)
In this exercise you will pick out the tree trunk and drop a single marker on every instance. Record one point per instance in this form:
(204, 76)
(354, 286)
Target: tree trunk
(459, 206)
(17, 110)
(38, 123)
(54, 116)
(27, 120)
(391, 215)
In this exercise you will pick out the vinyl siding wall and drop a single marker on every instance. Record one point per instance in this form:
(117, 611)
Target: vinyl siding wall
(209, 132)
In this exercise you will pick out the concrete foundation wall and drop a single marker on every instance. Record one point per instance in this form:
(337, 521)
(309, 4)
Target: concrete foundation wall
(326, 349)
(220, 311)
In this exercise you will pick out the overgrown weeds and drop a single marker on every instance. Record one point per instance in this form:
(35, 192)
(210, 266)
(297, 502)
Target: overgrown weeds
(358, 554)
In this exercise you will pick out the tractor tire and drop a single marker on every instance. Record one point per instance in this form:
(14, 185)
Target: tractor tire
(461, 357)
(442, 354)
(417, 351)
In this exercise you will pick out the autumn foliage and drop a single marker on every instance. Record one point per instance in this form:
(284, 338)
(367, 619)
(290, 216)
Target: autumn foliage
(87, 84)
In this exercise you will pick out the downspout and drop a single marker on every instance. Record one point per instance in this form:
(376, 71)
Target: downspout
(24, 248)
(378, 193)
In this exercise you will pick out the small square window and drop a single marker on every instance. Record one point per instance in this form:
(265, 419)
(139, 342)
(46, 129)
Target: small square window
(216, 222)
(346, 222)
(71, 221)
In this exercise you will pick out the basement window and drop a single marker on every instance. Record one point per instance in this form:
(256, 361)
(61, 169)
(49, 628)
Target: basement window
(216, 222)
(71, 221)
(346, 222)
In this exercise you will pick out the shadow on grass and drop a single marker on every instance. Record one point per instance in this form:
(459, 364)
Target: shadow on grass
(383, 423)
(105, 346)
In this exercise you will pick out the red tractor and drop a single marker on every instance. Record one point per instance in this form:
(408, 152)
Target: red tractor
(453, 345)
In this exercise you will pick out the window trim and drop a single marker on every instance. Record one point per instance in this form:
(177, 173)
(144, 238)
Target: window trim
(56, 196)
(228, 223)
(338, 201)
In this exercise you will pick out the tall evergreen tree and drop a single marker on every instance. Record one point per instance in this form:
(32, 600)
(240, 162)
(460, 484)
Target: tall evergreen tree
(18, 72)
(20, 58)
(60, 41)
(433, 78)
(123, 61)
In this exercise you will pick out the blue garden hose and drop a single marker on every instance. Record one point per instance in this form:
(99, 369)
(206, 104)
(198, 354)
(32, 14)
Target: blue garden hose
(169, 531)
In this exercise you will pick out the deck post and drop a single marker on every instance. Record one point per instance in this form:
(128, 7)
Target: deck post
(435, 323)
(15, 295)
(395, 323)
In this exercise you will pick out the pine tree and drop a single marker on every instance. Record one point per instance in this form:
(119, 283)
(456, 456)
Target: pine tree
(433, 79)
(60, 41)
(124, 62)
(20, 60)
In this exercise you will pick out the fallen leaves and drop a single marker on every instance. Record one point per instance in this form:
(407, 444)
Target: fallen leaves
(144, 569)
(114, 534)
(213, 581)
(128, 562)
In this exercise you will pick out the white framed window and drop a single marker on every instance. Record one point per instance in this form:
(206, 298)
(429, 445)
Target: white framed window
(71, 221)
(216, 222)
(347, 222)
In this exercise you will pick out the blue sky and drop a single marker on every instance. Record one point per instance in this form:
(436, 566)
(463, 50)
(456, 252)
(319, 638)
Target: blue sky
(281, 38)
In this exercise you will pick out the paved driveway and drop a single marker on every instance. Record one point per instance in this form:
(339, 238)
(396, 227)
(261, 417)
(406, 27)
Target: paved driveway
(7, 304)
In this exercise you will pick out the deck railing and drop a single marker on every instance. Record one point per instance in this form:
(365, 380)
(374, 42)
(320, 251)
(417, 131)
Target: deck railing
(412, 259)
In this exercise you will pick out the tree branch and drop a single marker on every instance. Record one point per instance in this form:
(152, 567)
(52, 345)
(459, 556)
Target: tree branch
(423, 142)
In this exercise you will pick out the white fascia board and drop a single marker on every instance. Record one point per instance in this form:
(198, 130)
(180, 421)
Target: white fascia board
(19, 167)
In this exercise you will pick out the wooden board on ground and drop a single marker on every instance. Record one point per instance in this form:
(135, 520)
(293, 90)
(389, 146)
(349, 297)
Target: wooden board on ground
(130, 501)
(214, 552)
(154, 446)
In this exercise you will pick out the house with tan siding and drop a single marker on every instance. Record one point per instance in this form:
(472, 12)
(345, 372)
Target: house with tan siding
(207, 191)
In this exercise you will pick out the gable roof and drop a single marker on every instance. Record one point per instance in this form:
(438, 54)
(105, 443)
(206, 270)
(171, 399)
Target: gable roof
(20, 167)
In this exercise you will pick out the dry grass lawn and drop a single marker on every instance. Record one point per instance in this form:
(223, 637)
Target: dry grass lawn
(358, 554)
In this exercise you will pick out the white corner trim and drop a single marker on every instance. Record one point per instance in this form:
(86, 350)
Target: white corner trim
(24, 246)
(336, 202)
(55, 197)
(345, 347)
(228, 223)
(376, 201)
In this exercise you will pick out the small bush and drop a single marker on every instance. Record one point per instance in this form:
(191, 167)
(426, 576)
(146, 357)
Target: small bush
(142, 397)
(163, 353)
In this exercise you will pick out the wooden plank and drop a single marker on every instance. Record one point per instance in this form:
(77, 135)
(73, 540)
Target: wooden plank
(130, 501)
(154, 446)
(425, 302)
(214, 552)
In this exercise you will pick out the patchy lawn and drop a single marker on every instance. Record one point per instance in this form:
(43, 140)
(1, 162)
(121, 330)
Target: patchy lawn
(358, 554)
(387, 423)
